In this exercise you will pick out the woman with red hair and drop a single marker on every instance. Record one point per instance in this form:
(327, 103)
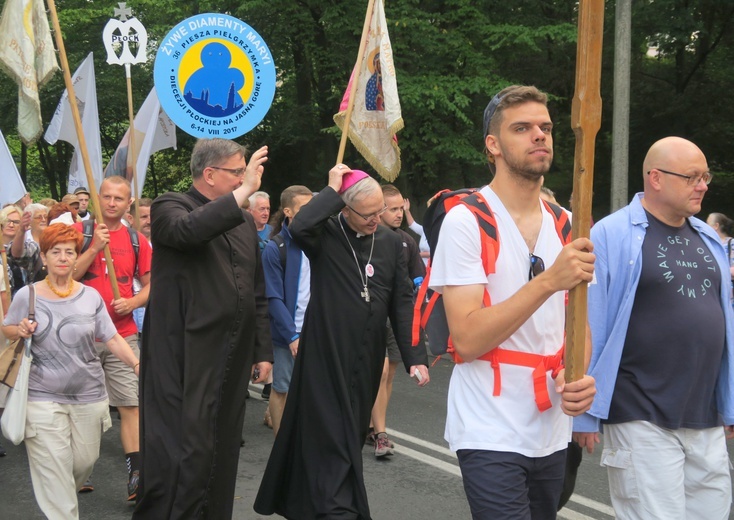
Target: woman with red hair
(67, 401)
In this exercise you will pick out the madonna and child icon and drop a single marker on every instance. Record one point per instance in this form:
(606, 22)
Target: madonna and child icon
(213, 90)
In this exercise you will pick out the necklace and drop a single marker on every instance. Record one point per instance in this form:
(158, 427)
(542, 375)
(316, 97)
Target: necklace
(366, 278)
(59, 293)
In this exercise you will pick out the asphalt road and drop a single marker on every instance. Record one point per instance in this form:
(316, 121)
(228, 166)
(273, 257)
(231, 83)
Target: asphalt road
(420, 482)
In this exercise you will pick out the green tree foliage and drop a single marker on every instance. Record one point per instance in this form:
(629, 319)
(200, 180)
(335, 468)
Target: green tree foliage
(451, 57)
(450, 60)
(682, 77)
(82, 23)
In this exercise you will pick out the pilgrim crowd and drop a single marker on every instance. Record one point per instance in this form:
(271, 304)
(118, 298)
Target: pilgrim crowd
(164, 311)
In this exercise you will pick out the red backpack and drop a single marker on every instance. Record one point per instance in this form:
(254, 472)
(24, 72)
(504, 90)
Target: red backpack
(429, 313)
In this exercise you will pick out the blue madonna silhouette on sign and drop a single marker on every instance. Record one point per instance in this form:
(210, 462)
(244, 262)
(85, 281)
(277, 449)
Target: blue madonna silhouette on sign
(213, 89)
(215, 76)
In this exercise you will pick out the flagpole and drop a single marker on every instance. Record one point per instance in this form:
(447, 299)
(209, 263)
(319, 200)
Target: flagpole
(353, 86)
(131, 142)
(82, 143)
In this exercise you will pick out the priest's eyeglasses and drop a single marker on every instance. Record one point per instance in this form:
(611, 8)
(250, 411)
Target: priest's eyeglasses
(692, 180)
(237, 172)
(371, 216)
(537, 266)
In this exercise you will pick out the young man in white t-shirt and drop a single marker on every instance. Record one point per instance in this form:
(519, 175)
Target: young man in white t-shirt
(512, 454)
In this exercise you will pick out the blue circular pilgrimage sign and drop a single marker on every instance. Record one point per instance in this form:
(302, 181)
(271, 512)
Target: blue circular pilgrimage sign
(214, 76)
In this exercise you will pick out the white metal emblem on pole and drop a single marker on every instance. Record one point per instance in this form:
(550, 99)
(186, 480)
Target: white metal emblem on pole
(119, 36)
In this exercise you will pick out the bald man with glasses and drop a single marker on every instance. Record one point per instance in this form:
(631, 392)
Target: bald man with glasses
(663, 346)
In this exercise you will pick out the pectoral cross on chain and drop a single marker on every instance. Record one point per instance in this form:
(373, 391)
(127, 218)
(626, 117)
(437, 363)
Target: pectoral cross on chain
(365, 294)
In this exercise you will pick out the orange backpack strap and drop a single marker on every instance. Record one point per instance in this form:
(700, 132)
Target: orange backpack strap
(477, 204)
(562, 224)
(488, 233)
(561, 221)
(490, 246)
(540, 365)
(420, 298)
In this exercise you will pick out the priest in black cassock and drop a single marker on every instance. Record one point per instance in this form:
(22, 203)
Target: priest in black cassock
(358, 279)
(206, 328)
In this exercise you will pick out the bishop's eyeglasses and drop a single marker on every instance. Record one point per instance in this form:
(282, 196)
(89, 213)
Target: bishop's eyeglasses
(371, 216)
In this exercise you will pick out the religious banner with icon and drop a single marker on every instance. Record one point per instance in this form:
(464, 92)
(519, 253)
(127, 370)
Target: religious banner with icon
(215, 76)
(374, 117)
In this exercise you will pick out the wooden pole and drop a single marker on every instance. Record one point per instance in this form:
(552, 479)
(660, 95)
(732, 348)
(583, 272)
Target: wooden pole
(585, 120)
(82, 143)
(131, 143)
(354, 79)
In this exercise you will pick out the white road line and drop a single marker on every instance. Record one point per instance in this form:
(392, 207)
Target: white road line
(569, 514)
(420, 442)
(427, 459)
(256, 391)
(454, 470)
(592, 504)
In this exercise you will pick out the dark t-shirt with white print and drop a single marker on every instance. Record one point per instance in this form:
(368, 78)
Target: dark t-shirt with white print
(676, 335)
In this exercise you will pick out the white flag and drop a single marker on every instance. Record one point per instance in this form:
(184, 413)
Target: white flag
(62, 126)
(376, 116)
(154, 131)
(27, 55)
(11, 186)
